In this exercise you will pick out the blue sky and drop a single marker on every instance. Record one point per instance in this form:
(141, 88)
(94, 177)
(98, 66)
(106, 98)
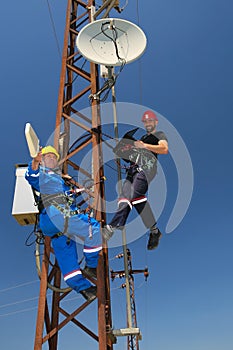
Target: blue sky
(186, 75)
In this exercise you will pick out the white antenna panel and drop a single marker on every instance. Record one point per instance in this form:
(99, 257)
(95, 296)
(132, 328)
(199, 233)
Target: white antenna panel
(111, 42)
(32, 140)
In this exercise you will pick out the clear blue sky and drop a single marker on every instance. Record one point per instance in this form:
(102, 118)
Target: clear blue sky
(186, 75)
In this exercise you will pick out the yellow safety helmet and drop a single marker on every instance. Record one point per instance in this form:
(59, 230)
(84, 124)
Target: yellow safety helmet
(50, 149)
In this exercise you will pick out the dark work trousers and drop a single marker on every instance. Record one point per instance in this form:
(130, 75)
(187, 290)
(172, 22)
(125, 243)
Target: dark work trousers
(134, 190)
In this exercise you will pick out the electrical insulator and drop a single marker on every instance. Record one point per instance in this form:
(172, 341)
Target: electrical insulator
(119, 256)
(146, 273)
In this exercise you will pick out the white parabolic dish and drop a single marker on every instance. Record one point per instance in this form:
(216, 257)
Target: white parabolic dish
(111, 41)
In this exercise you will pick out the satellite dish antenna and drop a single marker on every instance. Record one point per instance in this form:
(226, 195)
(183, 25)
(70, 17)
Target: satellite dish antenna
(111, 42)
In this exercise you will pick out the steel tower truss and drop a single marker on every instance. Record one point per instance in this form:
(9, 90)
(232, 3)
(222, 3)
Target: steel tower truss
(76, 83)
(132, 339)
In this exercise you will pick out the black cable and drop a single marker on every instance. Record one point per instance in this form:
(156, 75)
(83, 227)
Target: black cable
(114, 39)
(75, 78)
(111, 81)
(38, 233)
(76, 141)
(27, 243)
(54, 29)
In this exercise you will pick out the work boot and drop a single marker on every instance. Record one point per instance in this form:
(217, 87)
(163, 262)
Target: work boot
(154, 237)
(107, 232)
(90, 271)
(90, 293)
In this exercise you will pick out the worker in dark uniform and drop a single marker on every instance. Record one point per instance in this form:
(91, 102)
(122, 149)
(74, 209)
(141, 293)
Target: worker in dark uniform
(60, 219)
(142, 155)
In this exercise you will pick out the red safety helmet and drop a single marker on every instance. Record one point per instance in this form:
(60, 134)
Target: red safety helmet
(149, 115)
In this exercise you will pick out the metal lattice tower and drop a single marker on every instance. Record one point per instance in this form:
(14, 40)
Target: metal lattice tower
(78, 14)
(134, 337)
(133, 343)
(78, 80)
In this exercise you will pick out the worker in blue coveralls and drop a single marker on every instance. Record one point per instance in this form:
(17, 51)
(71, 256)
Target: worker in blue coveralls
(60, 219)
(142, 155)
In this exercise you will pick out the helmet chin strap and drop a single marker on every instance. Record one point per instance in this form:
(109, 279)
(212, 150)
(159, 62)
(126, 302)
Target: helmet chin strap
(56, 170)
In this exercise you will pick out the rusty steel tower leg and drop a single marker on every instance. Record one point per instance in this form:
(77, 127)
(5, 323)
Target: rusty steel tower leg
(78, 14)
(42, 304)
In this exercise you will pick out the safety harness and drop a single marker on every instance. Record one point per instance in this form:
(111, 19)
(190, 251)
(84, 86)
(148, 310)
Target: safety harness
(43, 201)
(142, 158)
(61, 201)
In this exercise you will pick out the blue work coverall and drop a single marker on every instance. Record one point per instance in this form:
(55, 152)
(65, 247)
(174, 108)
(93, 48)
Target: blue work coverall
(52, 221)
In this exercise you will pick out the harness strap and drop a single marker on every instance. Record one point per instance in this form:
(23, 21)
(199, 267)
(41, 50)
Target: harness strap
(59, 234)
(67, 213)
(66, 210)
(50, 199)
(57, 200)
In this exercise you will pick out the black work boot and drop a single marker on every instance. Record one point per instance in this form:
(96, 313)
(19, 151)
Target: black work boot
(154, 237)
(90, 272)
(90, 293)
(107, 232)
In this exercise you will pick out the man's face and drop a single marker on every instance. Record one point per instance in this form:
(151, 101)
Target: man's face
(150, 125)
(50, 160)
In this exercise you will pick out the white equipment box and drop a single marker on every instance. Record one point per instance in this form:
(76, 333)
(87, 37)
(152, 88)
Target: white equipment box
(24, 209)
